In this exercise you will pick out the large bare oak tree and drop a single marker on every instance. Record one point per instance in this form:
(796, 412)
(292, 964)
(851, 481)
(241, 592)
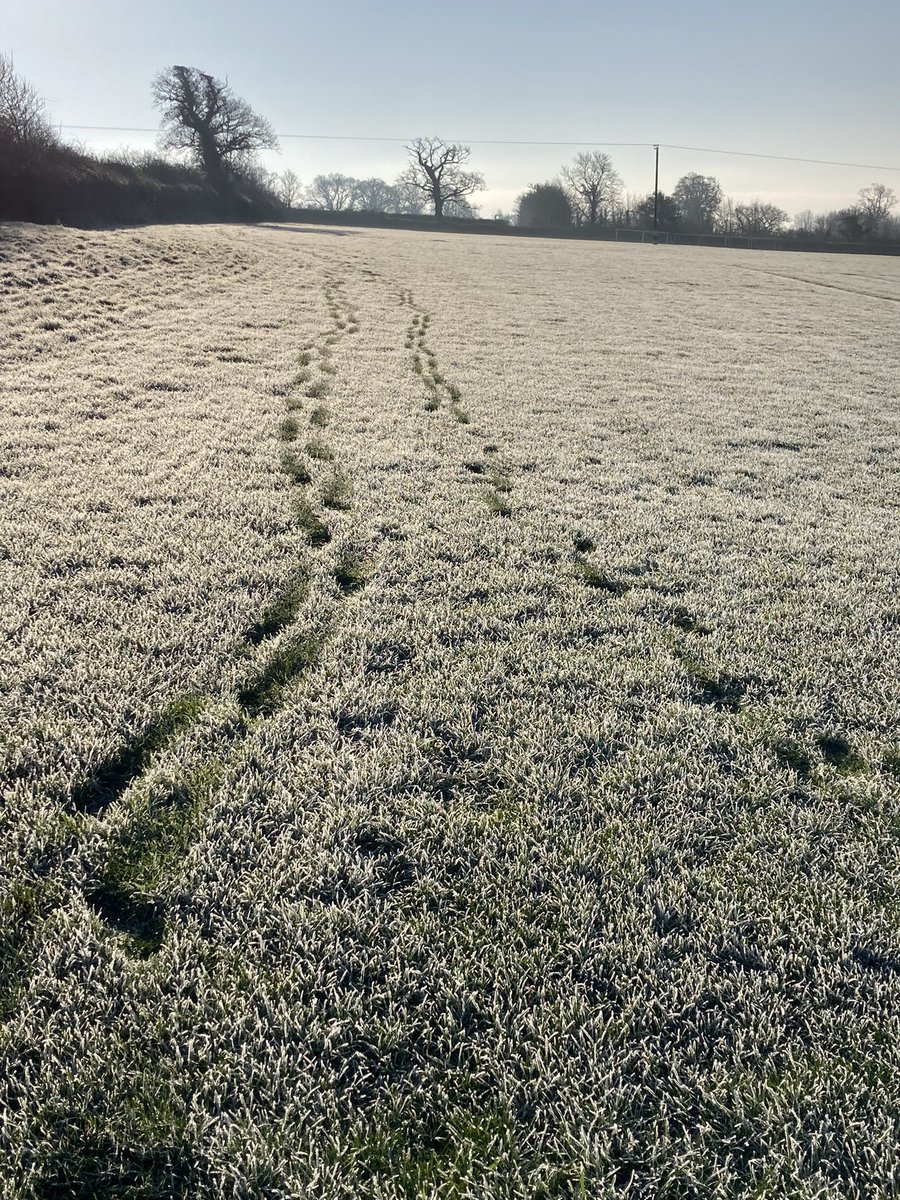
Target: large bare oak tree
(437, 172)
(201, 114)
(593, 185)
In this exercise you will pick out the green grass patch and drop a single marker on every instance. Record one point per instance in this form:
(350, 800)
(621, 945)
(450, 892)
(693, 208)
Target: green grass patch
(793, 755)
(337, 492)
(281, 612)
(498, 504)
(295, 467)
(596, 577)
(684, 620)
(838, 751)
(319, 416)
(145, 857)
(319, 450)
(289, 429)
(264, 693)
(86, 1165)
(310, 523)
(351, 571)
(112, 777)
(717, 689)
(437, 1157)
(288, 385)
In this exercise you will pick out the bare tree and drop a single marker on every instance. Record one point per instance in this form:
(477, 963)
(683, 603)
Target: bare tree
(23, 122)
(461, 209)
(760, 219)
(288, 188)
(374, 195)
(436, 171)
(334, 192)
(625, 209)
(698, 198)
(200, 114)
(825, 225)
(725, 220)
(851, 224)
(408, 200)
(876, 202)
(594, 186)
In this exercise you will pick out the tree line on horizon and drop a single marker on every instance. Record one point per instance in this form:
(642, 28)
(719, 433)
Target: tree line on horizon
(208, 167)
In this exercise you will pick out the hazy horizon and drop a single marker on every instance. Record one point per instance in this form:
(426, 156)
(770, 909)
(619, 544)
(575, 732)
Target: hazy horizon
(796, 83)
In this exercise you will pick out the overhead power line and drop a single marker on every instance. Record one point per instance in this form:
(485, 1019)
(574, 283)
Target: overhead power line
(346, 137)
(822, 162)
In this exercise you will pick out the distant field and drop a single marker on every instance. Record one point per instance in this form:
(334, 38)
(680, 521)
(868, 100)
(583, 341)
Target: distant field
(448, 718)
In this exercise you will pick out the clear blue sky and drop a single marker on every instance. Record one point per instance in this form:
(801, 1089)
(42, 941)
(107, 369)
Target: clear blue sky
(812, 78)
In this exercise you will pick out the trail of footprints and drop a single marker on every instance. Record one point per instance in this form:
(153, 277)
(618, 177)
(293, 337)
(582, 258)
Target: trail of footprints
(442, 393)
(143, 854)
(711, 686)
(708, 685)
(425, 364)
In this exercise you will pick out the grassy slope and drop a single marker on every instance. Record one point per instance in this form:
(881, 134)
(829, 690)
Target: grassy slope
(561, 858)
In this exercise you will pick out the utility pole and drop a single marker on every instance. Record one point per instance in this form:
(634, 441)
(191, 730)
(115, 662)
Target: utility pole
(656, 194)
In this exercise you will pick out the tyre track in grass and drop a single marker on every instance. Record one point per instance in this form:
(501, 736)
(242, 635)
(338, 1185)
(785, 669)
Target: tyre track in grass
(133, 906)
(285, 646)
(141, 857)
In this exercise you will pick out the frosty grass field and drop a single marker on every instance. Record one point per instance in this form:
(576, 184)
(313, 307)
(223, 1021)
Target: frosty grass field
(449, 718)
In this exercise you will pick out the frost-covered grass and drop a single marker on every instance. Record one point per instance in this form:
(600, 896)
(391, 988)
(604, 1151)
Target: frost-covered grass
(485, 783)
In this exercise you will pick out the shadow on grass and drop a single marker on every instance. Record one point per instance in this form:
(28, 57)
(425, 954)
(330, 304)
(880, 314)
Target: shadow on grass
(112, 777)
(281, 612)
(97, 1169)
(142, 921)
(265, 692)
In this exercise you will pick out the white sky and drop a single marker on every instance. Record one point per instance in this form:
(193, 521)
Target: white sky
(811, 78)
